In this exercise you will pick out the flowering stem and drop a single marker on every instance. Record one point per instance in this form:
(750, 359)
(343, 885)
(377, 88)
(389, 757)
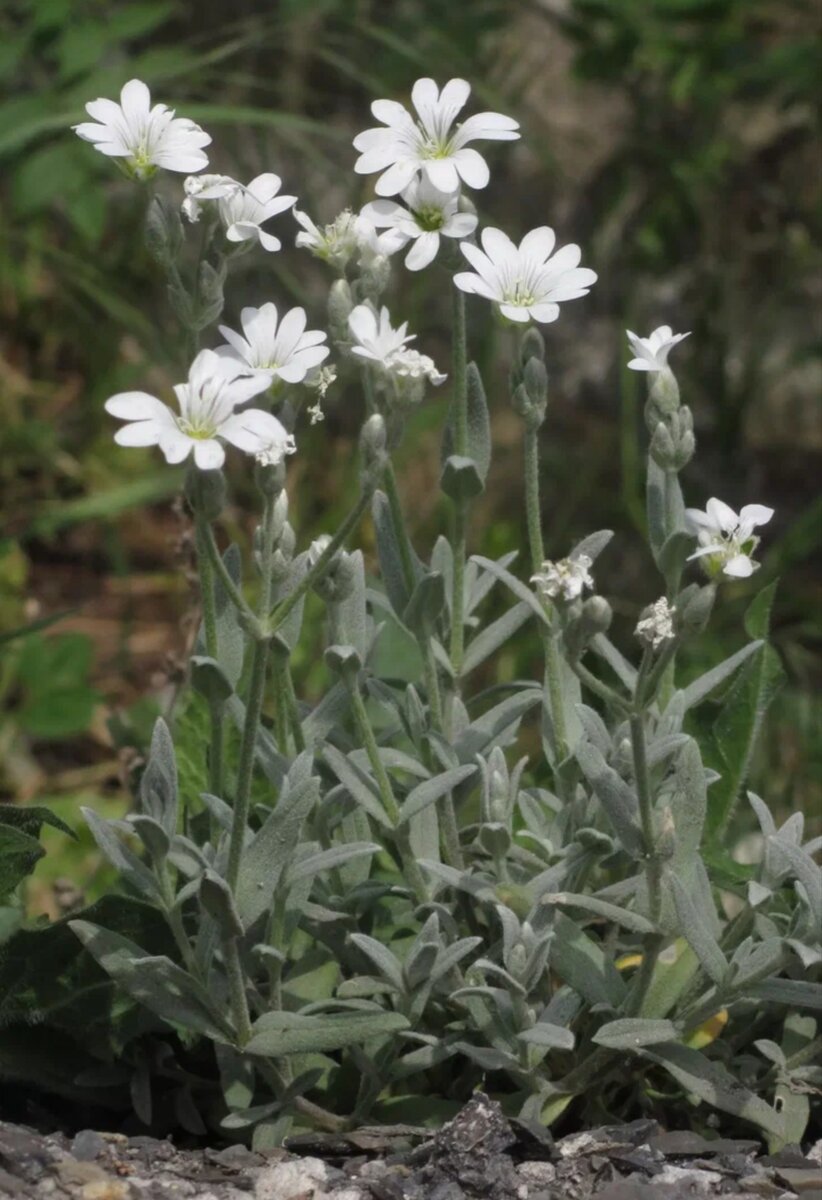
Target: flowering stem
(389, 803)
(320, 567)
(460, 402)
(550, 643)
(643, 788)
(209, 607)
(395, 505)
(236, 990)
(599, 688)
(532, 505)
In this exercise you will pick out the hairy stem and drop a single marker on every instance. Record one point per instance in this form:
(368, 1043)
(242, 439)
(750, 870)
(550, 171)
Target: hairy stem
(209, 607)
(236, 990)
(646, 815)
(460, 409)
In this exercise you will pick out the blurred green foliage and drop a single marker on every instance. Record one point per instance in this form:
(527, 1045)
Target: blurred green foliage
(675, 139)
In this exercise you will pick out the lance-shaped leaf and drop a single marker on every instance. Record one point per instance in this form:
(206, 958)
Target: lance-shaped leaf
(271, 850)
(326, 860)
(697, 932)
(713, 1084)
(629, 1033)
(554, 1037)
(389, 554)
(479, 425)
(702, 687)
(495, 635)
(579, 961)
(794, 993)
(158, 787)
(383, 959)
(426, 604)
(120, 856)
(613, 793)
(218, 902)
(736, 729)
(601, 908)
(351, 616)
(156, 982)
(209, 679)
(519, 589)
(592, 545)
(495, 724)
(431, 790)
(360, 787)
(278, 1034)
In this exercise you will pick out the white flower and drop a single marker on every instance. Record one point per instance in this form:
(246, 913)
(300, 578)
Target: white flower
(430, 212)
(346, 236)
(244, 211)
(216, 386)
(377, 340)
(276, 349)
(404, 147)
(658, 625)
(652, 352)
(727, 539)
(199, 188)
(526, 281)
(565, 578)
(145, 137)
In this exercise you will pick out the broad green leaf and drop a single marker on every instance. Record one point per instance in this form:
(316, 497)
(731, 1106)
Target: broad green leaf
(19, 854)
(279, 1034)
(629, 1033)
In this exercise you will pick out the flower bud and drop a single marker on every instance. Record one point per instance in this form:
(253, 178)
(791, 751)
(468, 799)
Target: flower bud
(535, 378)
(270, 480)
(666, 835)
(163, 232)
(373, 441)
(531, 346)
(340, 305)
(375, 277)
(517, 961)
(596, 615)
(664, 392)
(205, 492)
(662, 448)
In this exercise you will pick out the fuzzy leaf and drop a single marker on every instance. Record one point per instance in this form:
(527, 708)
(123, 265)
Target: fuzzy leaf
(495, 635)
(697, 933)
(279, 1034)
(702, 687)
(579, 961)
(545, 1034)
(119, 855)
(629, 1033)
(325, 860)
(431, 790)
(713, 1084)
(519, 589)
(158, 787)
(612, 912)
(156, 982)
(270, 851)
(359, 787)
(616, 798)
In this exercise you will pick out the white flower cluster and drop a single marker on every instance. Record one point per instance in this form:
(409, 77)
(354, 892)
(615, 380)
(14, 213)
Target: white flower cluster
(726, 539)
(565, 579)
(376, 340)
(657, 626)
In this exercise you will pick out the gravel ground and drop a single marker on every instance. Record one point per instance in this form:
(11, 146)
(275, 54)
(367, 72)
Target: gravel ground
(479, 1155)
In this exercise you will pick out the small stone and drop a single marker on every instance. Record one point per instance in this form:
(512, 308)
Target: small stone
(87, 1145)
(698, 1182)
(299, 1179)
(537, 1174)
(803, 1181)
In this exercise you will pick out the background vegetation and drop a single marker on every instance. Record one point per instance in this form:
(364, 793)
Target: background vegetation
(675, 140)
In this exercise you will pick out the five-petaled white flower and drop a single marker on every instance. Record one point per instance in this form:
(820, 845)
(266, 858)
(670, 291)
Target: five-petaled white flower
(528, 281)
(430, 212)
(652, 352)
(215, 388)
(200, 188)
(565, 579)
(403, 147)
(244, 211)
(346, 236)
(272, 347)
(727, 539)
(146, 137)
(657, 625)
(377, 341)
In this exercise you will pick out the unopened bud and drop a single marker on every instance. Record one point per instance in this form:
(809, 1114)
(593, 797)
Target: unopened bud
(535, 378)
(596, 615)
(375, 277)
(270, 479)
(664, 392)
(531, 346)
(340, 305)
(205, 492)
(373, 442)
(517, 960)
(662, 449)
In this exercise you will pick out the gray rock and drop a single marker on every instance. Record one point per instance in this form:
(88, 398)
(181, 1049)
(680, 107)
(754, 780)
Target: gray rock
(88, 1145)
